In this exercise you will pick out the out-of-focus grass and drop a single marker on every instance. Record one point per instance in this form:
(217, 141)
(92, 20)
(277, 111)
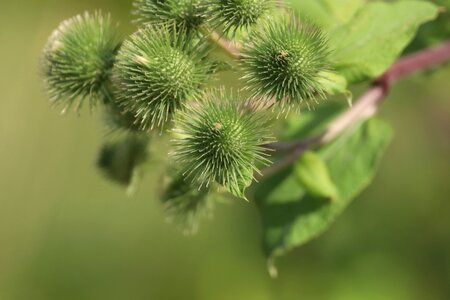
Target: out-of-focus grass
(66, 233)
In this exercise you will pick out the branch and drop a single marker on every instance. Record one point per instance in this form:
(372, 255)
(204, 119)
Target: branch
(365, 107)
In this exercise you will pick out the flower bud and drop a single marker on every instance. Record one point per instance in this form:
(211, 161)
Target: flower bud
(284, 61)
(220, 140)
(156, 72)
(232, 15)
(185, 204)
(186, 14)
(78, 58)
(119, 159)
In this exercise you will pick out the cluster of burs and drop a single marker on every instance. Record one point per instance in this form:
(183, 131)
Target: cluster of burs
(161, 78)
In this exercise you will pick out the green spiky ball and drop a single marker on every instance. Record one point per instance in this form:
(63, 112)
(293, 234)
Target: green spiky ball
(284, 61)
(186, 14)
(78, 58)
(117, 121)
(221, 140)
(232, 15)
(185, 204)
(119, 159)
(156, 72)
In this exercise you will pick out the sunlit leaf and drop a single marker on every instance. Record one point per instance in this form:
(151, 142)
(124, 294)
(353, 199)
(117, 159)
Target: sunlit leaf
(292, 217)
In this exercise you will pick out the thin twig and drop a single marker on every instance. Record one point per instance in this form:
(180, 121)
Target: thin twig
(365, 107)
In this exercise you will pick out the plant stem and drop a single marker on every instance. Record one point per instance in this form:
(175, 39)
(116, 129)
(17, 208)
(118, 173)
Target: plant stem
(365, 107)
(228, 47)
(282, 5)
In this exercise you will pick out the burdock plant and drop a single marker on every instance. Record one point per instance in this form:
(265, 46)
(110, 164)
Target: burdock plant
(173, 77)
(157, 71)
(78, 59)
(284, 61)
(221, 140)
(232, 15)
(187, 15)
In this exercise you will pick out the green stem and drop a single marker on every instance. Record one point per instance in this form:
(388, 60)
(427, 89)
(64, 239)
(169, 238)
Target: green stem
(228, 47)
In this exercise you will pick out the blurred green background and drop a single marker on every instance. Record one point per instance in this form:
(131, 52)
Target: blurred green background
(66, 233)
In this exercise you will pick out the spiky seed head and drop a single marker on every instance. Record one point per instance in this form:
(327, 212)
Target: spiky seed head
(185, 204)
(284, 61)
(157, 71)
(118, 121)
(220, 140)
(186, 14)
(232, 15)
(78, 58)
(119, 159)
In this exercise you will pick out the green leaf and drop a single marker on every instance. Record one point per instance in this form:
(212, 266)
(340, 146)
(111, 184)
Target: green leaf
(435, 32)
(327, 13)
(443, 3)
(312, 174)
(333, 83)
(369, 43)
(291, 217)
(311, 122)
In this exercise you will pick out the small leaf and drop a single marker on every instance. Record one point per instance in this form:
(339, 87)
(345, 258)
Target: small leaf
(292, 217)
(369, 43)
(312, 174)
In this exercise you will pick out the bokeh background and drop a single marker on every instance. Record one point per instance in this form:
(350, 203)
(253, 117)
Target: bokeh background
(66, 233)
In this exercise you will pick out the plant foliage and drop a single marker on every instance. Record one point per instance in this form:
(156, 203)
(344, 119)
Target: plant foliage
(171, 74)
